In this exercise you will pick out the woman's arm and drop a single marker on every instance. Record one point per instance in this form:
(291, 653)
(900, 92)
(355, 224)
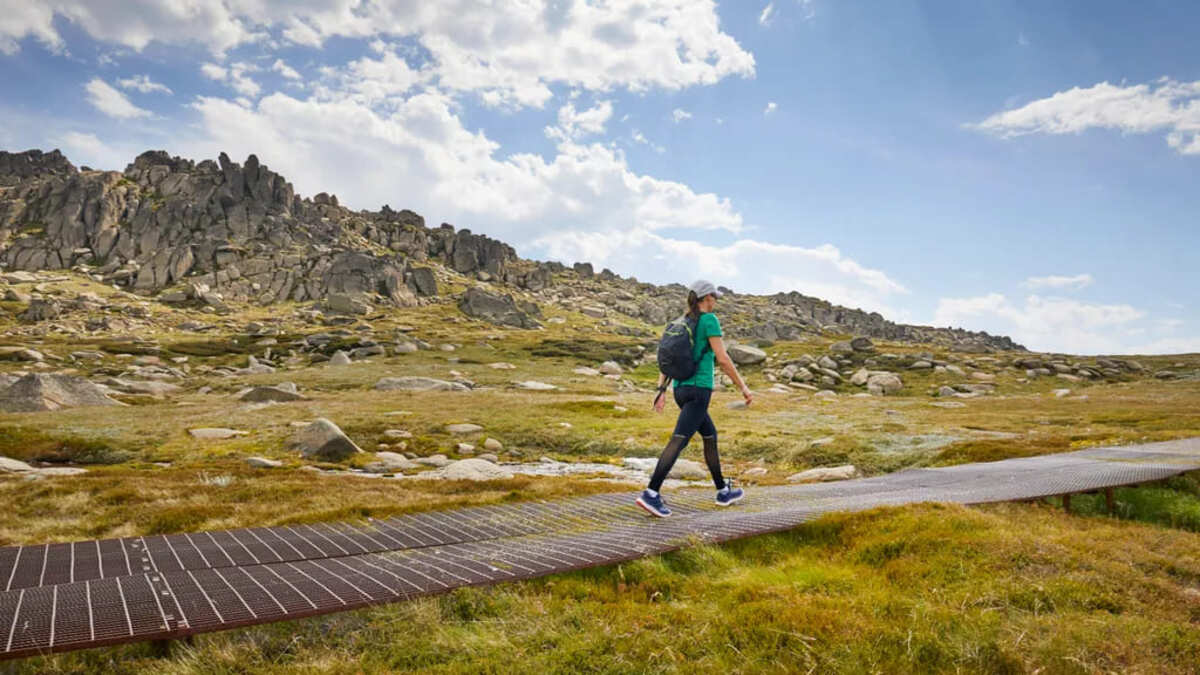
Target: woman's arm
(660, 393)
(718, 348)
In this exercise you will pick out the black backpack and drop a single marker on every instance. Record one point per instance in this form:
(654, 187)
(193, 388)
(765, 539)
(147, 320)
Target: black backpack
(675, 349)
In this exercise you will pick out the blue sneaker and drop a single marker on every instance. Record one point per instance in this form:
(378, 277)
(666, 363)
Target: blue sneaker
(729, 494)
(655, 505)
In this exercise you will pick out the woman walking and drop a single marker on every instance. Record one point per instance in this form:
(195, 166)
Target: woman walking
(692, 396)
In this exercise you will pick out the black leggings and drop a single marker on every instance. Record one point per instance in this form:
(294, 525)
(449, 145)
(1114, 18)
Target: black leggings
(693, 417)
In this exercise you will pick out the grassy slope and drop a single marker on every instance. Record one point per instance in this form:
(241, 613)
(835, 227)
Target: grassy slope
(1007, 588)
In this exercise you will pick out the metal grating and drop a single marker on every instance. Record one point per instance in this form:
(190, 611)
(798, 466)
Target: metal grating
(58, 597)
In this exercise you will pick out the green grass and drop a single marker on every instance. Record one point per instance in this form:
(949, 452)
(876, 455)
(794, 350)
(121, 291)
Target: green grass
(923, 589)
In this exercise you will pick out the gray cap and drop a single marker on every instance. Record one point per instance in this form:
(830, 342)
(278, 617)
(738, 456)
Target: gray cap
(703, 287)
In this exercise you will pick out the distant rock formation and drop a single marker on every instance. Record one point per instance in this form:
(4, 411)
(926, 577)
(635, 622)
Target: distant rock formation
(214, 233)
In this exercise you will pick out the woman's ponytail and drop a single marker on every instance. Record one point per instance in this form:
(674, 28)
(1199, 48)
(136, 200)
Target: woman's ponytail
(693, 305)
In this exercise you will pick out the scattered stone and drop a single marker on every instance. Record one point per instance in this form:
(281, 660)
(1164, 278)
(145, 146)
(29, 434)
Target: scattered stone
(754, 472)
(584, 370)
(416, 383)
(490, 457)
(497, 309)
(390, 462)
(611, 368)
(465, 449)
(534, 385)
(884, 383)
(397, 433)
(280, 393)
(862, 344)
(948, 404)
(745, 355)
(9, 465)
(684, 469)
(945, 391)
(1059, 393)
(37, 392)
(474, 469)
(323, 440)
(263, 463)
(462, 429)
(983, 377)
(825, 395)
(347, 303)
(438, 460)
(404, 348)
(860, 377)
(824, 474)
(339, 358)
(61, 471)
(501, 365)
(841, 348)
(216, 433)
(921, 365)
(493, 445)
(21, 354)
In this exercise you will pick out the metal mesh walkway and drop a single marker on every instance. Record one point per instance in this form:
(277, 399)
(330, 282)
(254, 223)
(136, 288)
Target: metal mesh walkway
(59, 597)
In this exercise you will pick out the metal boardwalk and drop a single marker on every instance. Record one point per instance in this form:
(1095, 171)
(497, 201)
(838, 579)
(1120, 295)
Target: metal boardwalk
(59, 597)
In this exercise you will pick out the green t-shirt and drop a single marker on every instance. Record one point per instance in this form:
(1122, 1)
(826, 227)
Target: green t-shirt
(706, 327)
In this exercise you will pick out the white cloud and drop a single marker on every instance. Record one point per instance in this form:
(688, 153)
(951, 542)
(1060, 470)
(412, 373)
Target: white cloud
(235, 76)
(1046, 323)
(1055, 281)
(640, 138)
(508, 53)
(768, 12)
(574, 124)
(745, 264)
(678, 115)
(1165, 105)
(771, 107)
(213, 71)
(418, 154)
(111, 102)
(285, 70)
(144, 84)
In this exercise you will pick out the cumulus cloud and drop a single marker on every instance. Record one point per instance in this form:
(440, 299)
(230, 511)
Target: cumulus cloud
(771, 107)
(508, 53)
(285, 70)
(111, 102)
(640, 138)
(1162, 106)
(144, 84)
(745, 264)
(1055, 281)
(678, 115)
(235, 76)
(575, 124)
(1046, 323)
(418, 153)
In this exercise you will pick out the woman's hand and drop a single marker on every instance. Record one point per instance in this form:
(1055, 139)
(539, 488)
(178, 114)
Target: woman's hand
(659, 401)
(747, 394)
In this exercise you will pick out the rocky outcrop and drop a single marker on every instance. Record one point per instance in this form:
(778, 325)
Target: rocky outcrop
(38, 392)
(497, 309)
(212, 233)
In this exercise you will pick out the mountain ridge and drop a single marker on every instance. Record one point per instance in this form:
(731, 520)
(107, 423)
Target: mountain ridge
(222, 232)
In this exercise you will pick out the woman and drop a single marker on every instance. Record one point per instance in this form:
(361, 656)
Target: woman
(692, 396)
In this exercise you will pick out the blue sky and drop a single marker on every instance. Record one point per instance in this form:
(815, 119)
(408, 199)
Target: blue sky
(1020, 168)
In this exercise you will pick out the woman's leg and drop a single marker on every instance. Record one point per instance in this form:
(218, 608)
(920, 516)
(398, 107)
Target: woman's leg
(708, 433)
(691, 414)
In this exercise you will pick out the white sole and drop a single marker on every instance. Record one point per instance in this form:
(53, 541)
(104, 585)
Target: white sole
(649, 510)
